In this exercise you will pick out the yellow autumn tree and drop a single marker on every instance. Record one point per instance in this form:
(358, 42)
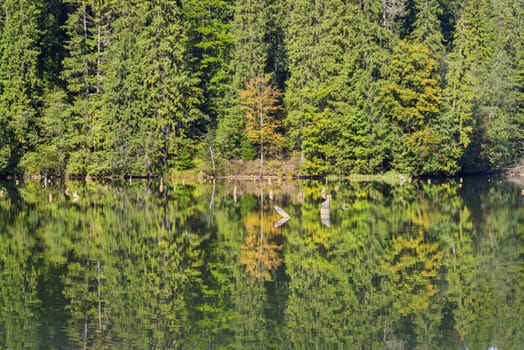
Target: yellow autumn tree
(260, 103)
(413, 102)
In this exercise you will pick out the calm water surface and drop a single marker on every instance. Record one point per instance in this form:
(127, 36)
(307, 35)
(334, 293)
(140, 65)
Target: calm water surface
(148, 265)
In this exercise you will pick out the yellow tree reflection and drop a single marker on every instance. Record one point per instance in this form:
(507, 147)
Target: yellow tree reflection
(260, 254)
(413, 266)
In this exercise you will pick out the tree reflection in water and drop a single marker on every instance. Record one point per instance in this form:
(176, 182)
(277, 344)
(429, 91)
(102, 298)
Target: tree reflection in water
(260, 254)
(171, 265)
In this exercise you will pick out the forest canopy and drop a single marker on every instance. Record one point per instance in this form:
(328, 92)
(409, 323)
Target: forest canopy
(141, 87)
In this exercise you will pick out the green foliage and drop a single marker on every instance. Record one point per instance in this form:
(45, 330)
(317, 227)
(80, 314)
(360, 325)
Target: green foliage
(150, 93)
(482, 91)
(51, 154)
(19, 79)
(114, 87)
(88, 30)
(147, 264)
(210, 40)
(413, 101)
(247, 150)
(249, 58)
(427, 26)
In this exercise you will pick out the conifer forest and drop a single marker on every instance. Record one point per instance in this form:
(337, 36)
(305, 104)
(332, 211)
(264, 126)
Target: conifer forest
(115, 87)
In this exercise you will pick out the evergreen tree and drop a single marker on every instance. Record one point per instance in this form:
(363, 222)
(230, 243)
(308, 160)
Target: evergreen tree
(275, 37)
(336, 57)
(210, 43)
(51, 151)
(365, 145)
(19, 79)
(88, 29)
(249, 58)
(464, 68)
(52, 20)
(113, 86)
(413, 102)
(481, 84)
(152, 96)
(314, 62)
(497, 108)
(427, 27)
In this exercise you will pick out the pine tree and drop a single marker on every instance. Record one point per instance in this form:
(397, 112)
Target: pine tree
(365, 145)
(51, 154)
(464, 68)
(210, 42)
(153, 95)
(51, 150)
(497, 107)
(314, 63)
(89, 30)
(249, 58)
(336, 55)
(19, 79)
(413, 101)
(482, 86)
(427, 27)
(52, 20)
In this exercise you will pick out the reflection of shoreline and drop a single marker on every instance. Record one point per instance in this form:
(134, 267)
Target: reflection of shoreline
(160, 261)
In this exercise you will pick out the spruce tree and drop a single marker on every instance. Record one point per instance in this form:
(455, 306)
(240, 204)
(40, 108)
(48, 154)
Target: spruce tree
(210, 41)
(482, 93)
(19, 79)
(249, 58)
(336, 54)
(413, 101)
(367, 136)
(497, 107)
(51, 150)
(427, 27)
(88, 29)
(464, 67)
(315, 60)
(152, 94)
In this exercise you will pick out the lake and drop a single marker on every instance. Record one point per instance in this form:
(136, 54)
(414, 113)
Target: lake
(179, 265)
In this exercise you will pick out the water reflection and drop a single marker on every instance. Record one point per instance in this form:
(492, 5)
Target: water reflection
(170, 265)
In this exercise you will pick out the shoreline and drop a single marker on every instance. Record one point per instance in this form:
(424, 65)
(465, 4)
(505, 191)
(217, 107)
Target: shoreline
(196, 176)
(240, 170)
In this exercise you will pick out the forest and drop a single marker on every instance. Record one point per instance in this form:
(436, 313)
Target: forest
(147, 87)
